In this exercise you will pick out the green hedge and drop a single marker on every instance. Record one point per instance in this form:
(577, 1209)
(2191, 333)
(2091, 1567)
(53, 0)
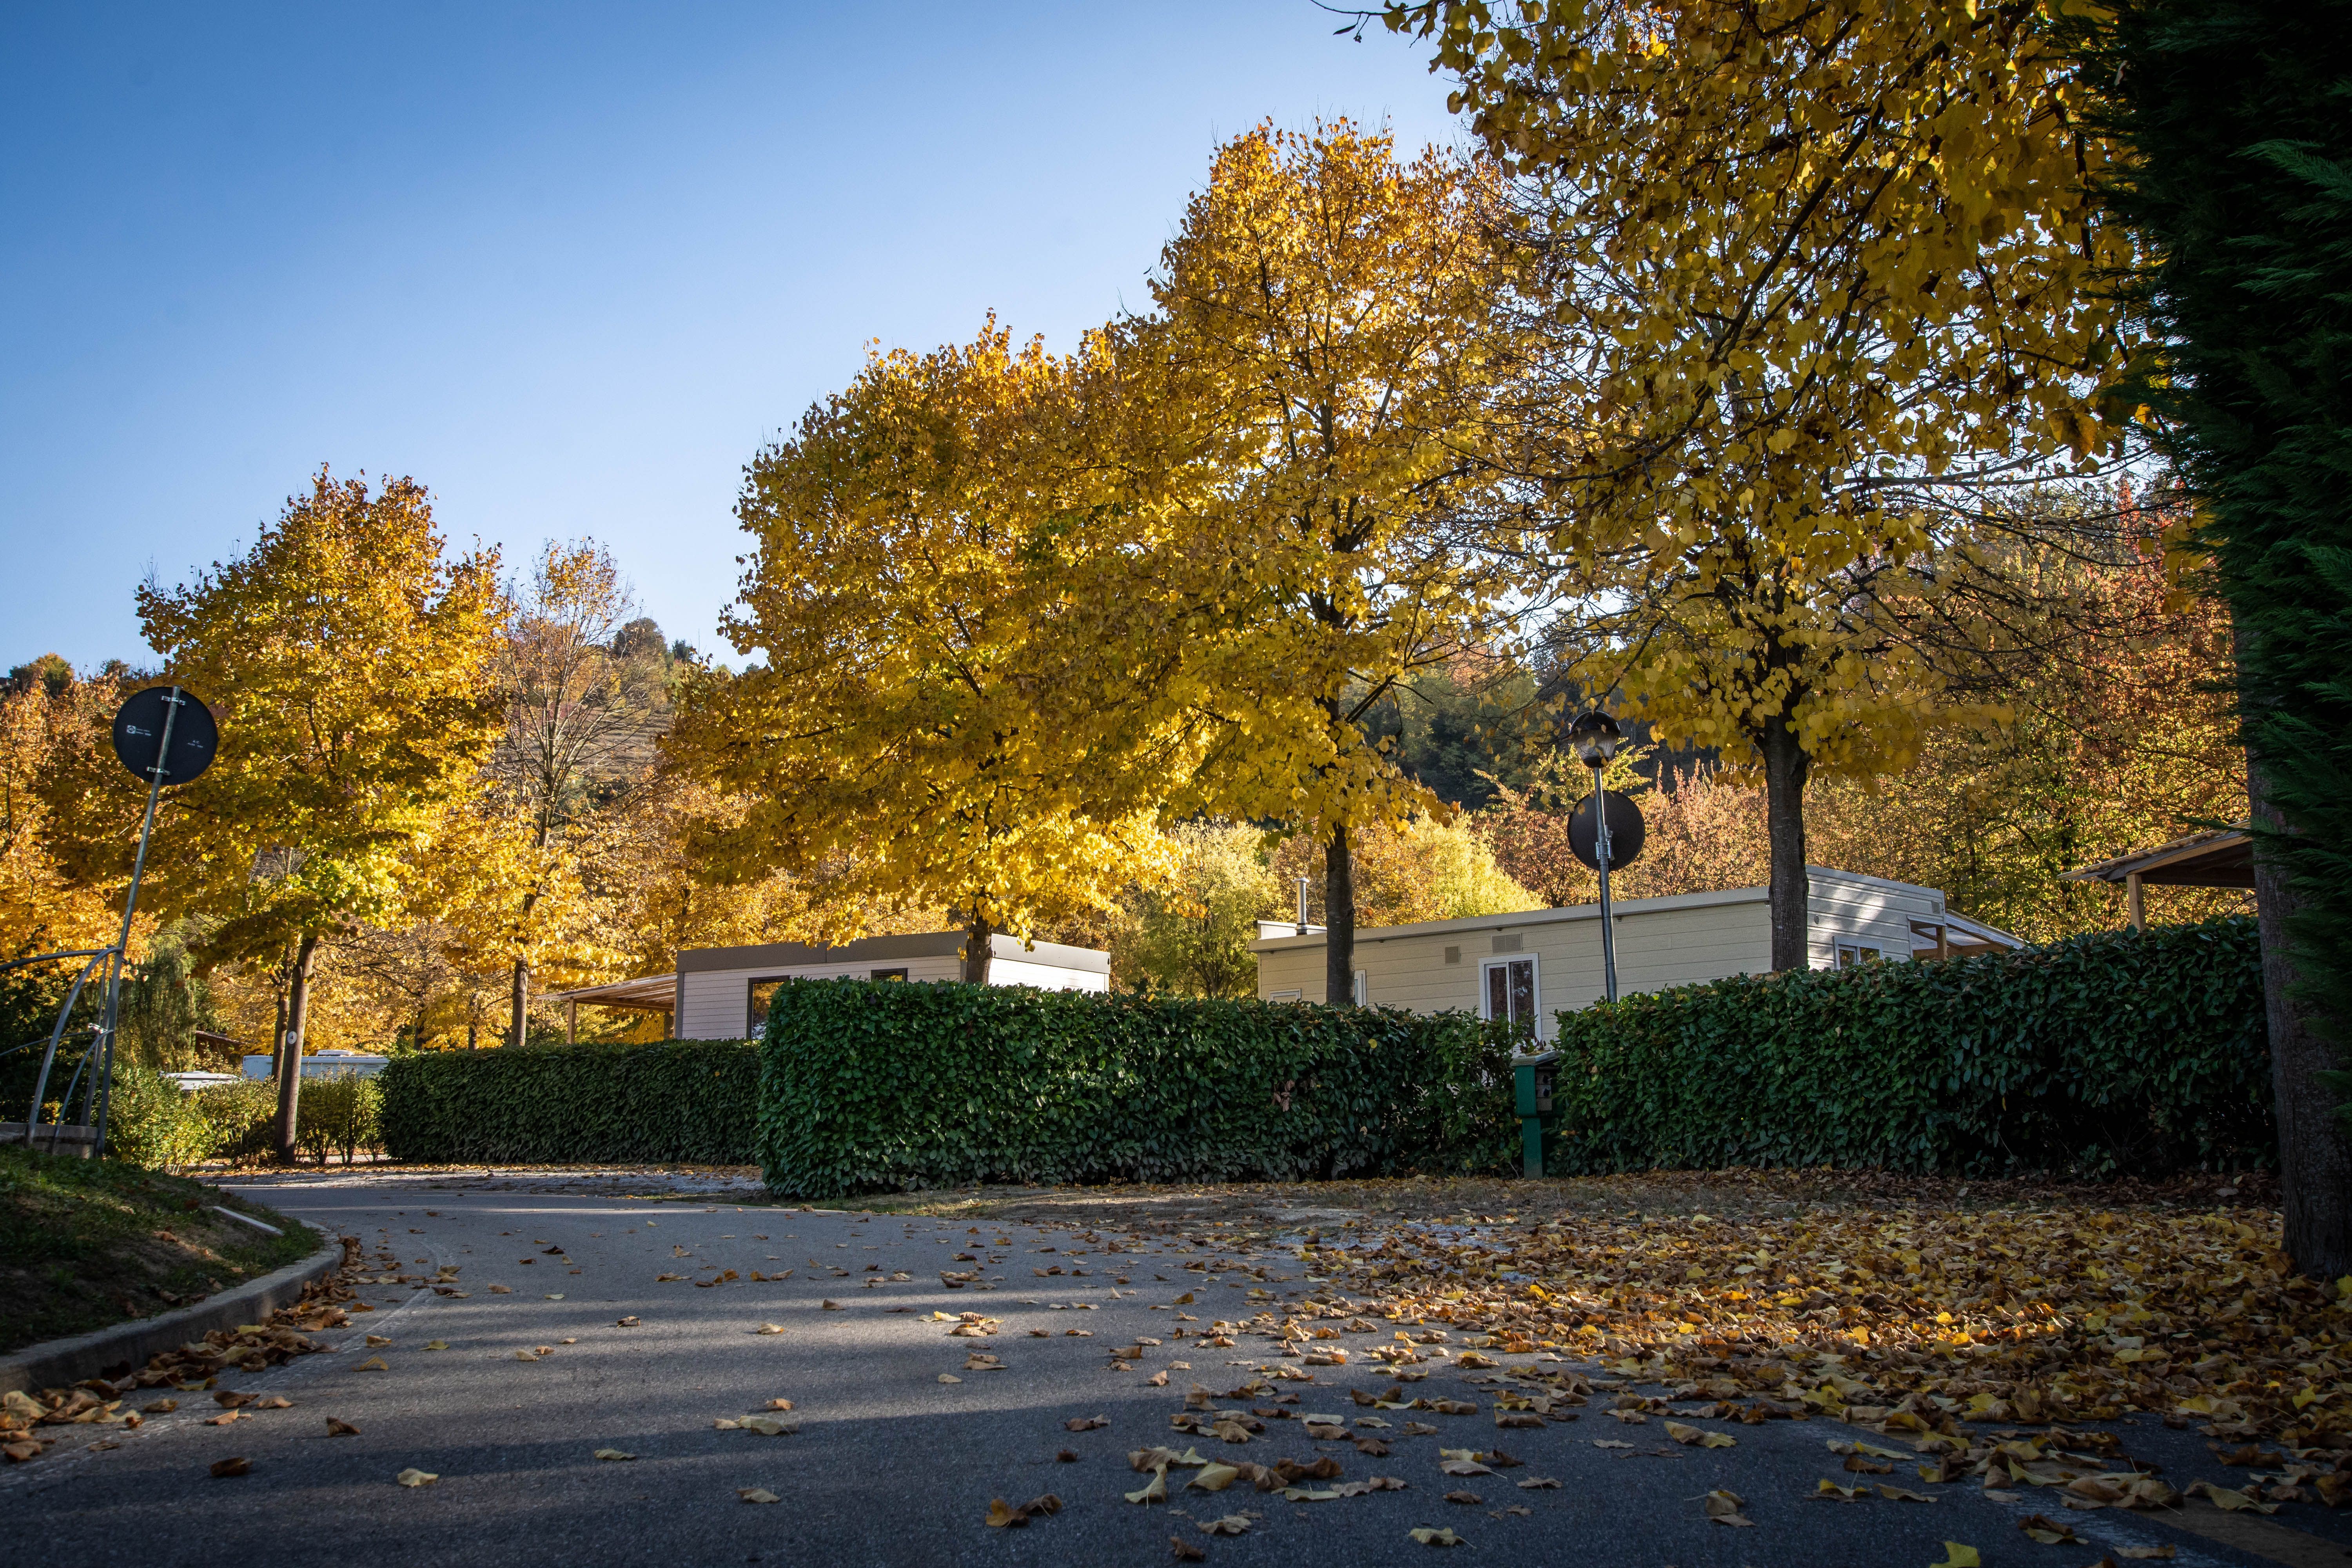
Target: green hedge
(690, 1100)
(871, 1085)
(2124, 1051)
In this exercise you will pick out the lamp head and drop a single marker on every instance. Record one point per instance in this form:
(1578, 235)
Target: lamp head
(1594, 738)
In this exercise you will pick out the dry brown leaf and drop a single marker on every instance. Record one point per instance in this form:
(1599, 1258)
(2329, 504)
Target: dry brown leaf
(161, 1407)
(1723, 1507)
(1215, 1477)
(613, 1453)
(1086, 1423)
(755, 1494)
(630, 1323)
(1538, 1484)
(1429, 1537)
(1231, 1524)
(1184, 1551)
(240, 1465)
(1463, 1498)
(417, 1478)
(949, 1377)
(769, 1329)
(338, 1429)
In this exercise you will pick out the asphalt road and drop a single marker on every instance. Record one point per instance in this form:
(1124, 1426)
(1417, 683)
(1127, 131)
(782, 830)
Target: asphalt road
(889, 1463)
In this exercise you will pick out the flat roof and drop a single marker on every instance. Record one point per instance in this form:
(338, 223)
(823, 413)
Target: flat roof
(1621, 909)
(870, 949)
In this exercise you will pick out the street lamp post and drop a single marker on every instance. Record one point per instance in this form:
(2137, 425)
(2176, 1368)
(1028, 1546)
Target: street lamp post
(1595, 736)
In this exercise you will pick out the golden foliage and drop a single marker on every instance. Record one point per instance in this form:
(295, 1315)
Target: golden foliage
(1322, 345)
(347, 667)
(1420, 869)
(943, 716)
(1806, 284)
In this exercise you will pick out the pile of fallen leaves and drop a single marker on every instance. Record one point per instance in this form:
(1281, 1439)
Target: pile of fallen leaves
(192, 1367)
(2005, 1317)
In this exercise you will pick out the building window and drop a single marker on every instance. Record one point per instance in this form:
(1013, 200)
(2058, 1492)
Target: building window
(1284, 997)
(1852, 954)
(762, 992)
(888, 974)
(1511, 993)
(1363, 989)
(1453, 955)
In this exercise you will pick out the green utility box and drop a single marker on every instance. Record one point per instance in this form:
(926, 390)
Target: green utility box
(1531, 1077)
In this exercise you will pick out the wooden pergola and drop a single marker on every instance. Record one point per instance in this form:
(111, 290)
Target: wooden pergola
(2222, 857)
(653, 994)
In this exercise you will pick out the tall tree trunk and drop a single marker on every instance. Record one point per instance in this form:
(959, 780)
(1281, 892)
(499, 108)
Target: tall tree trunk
(289, 1048)
(1339, 920)
(518, 1026)
(1786, 764)
(2315, 1162)
(978, 944)
(518, 1004)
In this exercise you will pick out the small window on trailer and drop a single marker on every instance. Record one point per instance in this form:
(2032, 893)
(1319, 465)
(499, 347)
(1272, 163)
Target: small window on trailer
(1511, 993)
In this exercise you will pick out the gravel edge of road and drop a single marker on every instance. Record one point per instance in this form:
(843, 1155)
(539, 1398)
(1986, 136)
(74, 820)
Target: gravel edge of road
(58, 1363)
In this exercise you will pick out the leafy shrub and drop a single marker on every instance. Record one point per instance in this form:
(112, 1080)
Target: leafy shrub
(150, 1123)
(338, 1114)
(240, 1119)
(2122, 1051)
(679, 1100)
(867, 1085)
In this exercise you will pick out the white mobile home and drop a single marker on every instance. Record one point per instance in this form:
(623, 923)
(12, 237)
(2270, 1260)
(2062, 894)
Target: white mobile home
(1532, 964)
(722, 992)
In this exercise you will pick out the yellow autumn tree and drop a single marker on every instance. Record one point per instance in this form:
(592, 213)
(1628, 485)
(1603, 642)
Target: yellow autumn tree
(1323, 340)
(943, 709)
(348, 666)
(1812, 283)
(581, 711)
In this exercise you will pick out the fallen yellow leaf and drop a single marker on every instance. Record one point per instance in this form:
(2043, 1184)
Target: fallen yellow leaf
(416, 1477)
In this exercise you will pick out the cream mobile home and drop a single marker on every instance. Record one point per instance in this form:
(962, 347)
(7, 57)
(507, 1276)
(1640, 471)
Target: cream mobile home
(1530, 966)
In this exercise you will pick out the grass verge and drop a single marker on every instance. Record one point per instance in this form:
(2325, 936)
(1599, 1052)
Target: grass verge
(89, 1243)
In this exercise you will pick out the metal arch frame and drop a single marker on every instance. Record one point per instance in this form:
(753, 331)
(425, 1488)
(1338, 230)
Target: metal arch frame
(57, 1034)
(103, 1082)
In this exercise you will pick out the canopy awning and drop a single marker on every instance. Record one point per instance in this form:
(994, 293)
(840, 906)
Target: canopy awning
(654, 994)
(2219, 858)
(1957, 936)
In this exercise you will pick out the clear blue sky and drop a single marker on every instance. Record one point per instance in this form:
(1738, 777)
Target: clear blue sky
(568, 265)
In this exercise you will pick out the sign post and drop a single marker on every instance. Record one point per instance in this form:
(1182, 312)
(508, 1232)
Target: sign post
(164, 736)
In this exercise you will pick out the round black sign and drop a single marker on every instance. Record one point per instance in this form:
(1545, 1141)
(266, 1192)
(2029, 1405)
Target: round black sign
(139, 735)
(1624, 833)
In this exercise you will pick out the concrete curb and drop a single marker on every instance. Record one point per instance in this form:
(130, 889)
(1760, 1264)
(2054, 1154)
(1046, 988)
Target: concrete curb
(59, 1362)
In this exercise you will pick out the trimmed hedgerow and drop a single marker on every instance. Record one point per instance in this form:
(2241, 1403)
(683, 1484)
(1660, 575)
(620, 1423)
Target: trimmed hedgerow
(868, 1085)
(692, 1100)
(2121, 1052)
